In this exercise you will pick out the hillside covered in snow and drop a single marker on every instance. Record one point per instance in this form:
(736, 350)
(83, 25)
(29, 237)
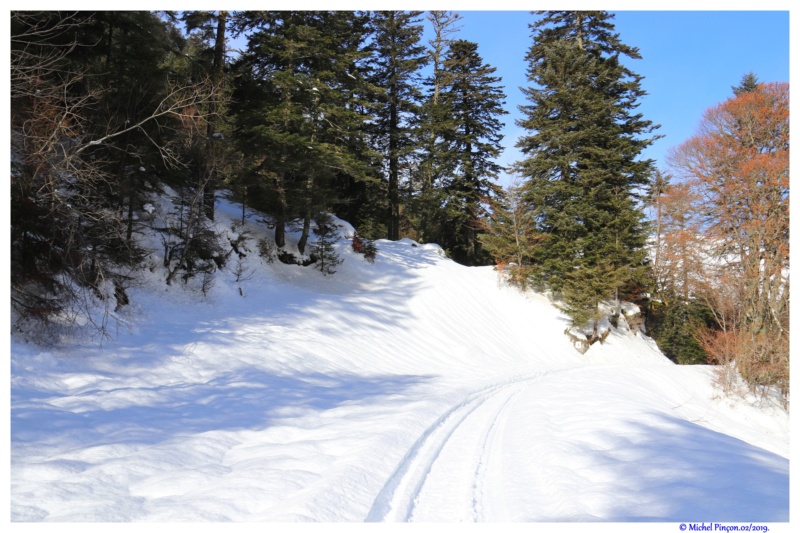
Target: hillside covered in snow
(405, 389)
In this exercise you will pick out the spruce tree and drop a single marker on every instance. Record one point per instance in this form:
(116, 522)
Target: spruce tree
(473, 101)
(749, 82)
(427, 193)
(398, 57)
(211, 28)
(323, 250)
(298, 122)
(582, 168)
(509, 234)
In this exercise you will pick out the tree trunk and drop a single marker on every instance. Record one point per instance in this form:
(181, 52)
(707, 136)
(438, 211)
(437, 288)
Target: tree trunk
(301, 245)
(394, 171)
(280, 217)
(209, 193)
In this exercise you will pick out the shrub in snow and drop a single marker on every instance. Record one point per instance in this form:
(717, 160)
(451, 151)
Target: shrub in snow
(674, 326)
(191, 246)
(238, 242)
(365, 247)
(207, 283)
(594, 331)
(267, 249)
(623, 317)
(241, 271)
(322, 251)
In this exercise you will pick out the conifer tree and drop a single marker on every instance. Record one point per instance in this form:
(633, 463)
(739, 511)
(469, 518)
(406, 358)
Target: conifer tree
(509, 234)
(212, 29)
(427, 194)
(398, 59)
(582, 167)
(124, 56)
(95, 111)
(296, 117)
(473, 101)
(749, 82)
(324, 248)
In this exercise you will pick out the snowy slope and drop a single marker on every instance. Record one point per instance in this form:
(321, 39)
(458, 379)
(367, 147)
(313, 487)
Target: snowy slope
(408, 389)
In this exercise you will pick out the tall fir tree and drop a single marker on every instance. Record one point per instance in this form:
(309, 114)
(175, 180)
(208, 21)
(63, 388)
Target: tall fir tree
(211, 28)
(427, 194)
(398, 58)
(473, 102)
(582, 168)
(298, 121)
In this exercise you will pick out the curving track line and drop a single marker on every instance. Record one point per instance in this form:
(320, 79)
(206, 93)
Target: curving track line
(479, 421)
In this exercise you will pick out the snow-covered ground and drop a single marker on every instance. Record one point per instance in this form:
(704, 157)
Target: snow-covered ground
(408, 389)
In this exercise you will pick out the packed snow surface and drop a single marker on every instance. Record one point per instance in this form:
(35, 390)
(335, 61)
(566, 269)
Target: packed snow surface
(408, 389)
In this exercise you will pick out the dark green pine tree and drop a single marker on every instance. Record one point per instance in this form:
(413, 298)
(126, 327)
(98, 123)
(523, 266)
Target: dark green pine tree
(473, 102)
(297, 120)
(582, 167)
(427, 195)
(128, 53)
(323, 250)
(398, 58)
(357, 185)
(210, 28)
(749, 82)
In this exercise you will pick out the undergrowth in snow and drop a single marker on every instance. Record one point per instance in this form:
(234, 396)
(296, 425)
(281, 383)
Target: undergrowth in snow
(408, 388)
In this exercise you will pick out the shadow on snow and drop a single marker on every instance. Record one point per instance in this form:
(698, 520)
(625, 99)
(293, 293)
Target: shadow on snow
(247, 400)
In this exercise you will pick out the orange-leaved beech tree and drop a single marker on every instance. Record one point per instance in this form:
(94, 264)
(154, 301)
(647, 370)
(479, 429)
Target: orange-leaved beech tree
(738, 164)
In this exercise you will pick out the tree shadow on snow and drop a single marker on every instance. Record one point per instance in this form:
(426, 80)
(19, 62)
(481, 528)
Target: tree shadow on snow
(250, 399)
(672, 470)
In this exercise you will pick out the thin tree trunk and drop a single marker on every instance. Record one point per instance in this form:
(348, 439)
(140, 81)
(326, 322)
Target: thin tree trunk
(209, 194)
(394, 195)
(280, 218)
(301, 244)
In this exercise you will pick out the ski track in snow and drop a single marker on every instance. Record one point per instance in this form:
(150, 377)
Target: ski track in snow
(487, 479)
(461, 441)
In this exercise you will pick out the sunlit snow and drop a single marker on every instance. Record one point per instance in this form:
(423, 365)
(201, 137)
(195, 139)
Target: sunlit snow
(408, 389)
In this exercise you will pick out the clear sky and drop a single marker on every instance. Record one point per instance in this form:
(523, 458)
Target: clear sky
(690, 60)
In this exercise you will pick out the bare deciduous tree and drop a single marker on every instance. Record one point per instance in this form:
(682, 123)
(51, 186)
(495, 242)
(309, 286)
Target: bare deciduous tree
(68, 244)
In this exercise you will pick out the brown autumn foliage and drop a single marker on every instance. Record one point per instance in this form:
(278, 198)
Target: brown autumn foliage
(738, 165)
(678, 263)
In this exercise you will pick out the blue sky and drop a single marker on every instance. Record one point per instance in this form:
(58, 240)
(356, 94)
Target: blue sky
(690, 60)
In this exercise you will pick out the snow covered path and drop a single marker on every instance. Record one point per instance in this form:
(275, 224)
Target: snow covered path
(442, 476)
(558, 460)
(412, 389)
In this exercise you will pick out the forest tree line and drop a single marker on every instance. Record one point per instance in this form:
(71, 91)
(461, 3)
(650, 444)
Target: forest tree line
(353, 113)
